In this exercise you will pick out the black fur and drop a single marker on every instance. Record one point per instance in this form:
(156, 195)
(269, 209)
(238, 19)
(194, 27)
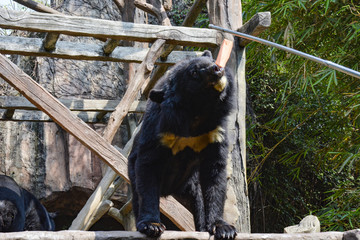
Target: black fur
(20, 210)
(185, 104)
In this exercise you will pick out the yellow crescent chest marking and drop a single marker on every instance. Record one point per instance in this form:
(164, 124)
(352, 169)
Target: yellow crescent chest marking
(198, 143)
(221, 84)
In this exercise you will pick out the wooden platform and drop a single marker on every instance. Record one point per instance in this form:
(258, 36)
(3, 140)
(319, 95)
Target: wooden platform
(167, 235)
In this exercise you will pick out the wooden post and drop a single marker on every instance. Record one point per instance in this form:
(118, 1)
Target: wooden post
(228, 14)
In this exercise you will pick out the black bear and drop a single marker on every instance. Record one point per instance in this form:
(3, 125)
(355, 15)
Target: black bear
(20, 210)
(182, 147)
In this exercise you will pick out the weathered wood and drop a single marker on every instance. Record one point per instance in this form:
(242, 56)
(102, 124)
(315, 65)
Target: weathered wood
(84, 26)
(103, 209)
(97, 197)
(110, 46)
(124, 216)
(167, 235)
(147, 7)
(194, 11)
(119, 3)
(8, 114)
(84, 51)
(167, 5)
(256, 25)
(135, 84)
(37, 6)
(43, 100)
(39, 116)
(94, 105)
(50, 40)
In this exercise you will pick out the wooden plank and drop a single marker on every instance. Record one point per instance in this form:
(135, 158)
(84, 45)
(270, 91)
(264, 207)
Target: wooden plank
(84, 26)
(167, 235)
(94, 105)
(43, 100)
(256, 25)
(85, 51)
(39, 116)
(37, 6)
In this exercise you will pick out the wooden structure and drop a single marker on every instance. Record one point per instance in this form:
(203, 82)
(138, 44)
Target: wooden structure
(172, 235)
(60, 111)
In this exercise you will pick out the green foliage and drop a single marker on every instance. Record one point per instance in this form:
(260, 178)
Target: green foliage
(304, 145)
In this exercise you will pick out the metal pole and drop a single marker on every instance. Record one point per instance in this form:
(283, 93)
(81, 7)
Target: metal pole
(327, 63)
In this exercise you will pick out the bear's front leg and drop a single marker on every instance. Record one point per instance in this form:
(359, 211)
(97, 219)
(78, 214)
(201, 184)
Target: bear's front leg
(213, 184)
(147, 188)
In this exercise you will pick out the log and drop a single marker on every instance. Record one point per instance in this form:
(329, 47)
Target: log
(88, 105)
(84, 26)
(110, 46)
(167, 235)
(39, 116)
(97, 197)
(50, 40)
(256, 25)
(84, 51)
(37, 6)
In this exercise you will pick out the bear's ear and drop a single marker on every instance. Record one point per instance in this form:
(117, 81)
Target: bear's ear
(207, 53)
(156, 96)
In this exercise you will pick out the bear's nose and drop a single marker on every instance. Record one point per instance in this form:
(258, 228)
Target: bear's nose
(219, 71)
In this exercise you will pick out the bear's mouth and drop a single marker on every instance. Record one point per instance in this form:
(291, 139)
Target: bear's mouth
(218, 71)
(219, 79)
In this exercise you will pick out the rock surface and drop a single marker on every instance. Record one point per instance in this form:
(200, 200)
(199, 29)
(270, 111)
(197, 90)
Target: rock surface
(309, 224)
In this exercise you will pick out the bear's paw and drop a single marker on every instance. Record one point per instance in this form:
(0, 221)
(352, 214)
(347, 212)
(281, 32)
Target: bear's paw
(151, 229)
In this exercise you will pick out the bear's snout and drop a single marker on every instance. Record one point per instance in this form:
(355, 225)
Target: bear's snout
(219, 71)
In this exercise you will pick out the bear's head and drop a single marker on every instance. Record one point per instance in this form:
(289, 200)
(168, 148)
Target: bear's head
(8, 213)
(191, 79)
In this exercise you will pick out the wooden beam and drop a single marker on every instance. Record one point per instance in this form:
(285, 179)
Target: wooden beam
(37, 6)
(8, 114)
(85, 26)
(85, 51)
(110, 46)
(256, 25)
(167, 235)
(194, 12)
(91, 105)
(39, 116)
(50, 40)
(43, 100)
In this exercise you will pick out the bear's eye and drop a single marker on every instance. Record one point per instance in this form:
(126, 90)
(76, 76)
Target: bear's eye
(194, 73)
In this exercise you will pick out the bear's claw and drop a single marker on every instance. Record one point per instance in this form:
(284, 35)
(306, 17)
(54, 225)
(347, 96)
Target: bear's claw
(151, 229)
(223, 231)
